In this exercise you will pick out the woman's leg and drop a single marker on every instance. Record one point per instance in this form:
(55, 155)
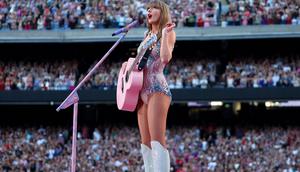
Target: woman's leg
(158, 106)
(143, 123)
(145, 136)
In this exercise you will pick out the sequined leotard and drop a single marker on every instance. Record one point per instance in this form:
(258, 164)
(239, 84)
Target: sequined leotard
(154, 79)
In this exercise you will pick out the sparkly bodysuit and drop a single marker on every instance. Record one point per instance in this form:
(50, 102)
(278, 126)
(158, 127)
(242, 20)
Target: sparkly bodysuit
(154, 79)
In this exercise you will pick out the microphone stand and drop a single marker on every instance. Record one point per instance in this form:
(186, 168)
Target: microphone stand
(73, 99)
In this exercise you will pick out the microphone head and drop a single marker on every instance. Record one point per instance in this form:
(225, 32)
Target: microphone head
(134, 23)
(137, 21)
(140, 21)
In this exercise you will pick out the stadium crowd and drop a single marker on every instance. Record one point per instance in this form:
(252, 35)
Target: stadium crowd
(91, 14)
(193, 73)
(276, 72)
(116, 149)
(23, 75)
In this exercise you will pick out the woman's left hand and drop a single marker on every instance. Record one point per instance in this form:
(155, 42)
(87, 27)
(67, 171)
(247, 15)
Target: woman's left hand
(168, 28)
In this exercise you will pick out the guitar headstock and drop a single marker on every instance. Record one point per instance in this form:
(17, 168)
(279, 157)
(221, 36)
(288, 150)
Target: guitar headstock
(150, 42)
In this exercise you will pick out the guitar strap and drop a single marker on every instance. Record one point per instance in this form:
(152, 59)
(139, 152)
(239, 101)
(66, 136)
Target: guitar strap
(144, 59)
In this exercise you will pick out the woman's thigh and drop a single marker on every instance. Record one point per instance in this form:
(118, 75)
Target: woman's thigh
(157, 110)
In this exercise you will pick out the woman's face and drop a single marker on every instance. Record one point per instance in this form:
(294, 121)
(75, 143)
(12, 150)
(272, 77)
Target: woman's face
(153, 15)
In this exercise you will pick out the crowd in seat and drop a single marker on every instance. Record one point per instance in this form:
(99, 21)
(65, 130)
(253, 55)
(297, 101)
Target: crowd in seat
(91, 14)
(111, 148)
(192, 73)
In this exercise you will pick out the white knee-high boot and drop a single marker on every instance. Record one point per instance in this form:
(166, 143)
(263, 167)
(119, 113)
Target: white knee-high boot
(161, 157)
(147, 158)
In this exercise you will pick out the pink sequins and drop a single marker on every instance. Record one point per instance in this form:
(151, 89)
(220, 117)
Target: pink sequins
(154, 79)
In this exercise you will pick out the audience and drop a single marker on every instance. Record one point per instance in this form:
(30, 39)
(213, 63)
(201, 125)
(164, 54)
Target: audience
(201, 73)
(192, 149)
(83, 14)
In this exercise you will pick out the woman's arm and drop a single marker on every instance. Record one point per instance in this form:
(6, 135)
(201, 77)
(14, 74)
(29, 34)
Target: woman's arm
(167, 42)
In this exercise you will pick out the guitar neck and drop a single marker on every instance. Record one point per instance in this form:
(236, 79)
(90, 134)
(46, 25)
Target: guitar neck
(137, 58)
(142, 52)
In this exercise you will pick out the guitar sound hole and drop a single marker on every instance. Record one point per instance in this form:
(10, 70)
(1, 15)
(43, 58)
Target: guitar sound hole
(126, 77)
(122, 88)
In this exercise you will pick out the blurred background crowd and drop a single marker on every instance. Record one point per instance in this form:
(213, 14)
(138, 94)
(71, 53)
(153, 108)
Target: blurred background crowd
(98, 14)
(245, 72)
(116, 148)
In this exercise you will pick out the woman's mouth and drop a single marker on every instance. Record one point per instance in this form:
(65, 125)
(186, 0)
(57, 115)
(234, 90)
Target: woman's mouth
(149, 16)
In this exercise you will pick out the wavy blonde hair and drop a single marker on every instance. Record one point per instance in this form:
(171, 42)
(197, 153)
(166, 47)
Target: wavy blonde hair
(165, 16)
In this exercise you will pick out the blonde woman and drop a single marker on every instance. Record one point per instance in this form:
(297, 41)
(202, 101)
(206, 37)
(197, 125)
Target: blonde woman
(155, 96)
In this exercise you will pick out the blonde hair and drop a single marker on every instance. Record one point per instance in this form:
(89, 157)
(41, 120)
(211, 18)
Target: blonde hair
(165, 16)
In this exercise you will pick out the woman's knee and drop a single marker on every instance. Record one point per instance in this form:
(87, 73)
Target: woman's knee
(141, 106)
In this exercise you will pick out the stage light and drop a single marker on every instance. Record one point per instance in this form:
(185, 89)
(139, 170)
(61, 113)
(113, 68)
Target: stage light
(216, 103)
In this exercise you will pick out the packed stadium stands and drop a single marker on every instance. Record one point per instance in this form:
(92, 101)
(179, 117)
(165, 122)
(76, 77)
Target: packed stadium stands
(112, 148)
(83, 14)
(194, 73)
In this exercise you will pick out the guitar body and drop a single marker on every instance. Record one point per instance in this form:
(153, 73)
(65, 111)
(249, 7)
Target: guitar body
(129, 86)
(130, 79)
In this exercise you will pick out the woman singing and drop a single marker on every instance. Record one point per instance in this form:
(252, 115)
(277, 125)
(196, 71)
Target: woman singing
(155, 96)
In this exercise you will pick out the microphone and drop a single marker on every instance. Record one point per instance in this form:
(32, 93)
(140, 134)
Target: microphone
(126, 28)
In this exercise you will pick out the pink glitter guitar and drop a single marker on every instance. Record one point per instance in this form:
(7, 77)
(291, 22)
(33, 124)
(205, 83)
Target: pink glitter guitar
(130, 79)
